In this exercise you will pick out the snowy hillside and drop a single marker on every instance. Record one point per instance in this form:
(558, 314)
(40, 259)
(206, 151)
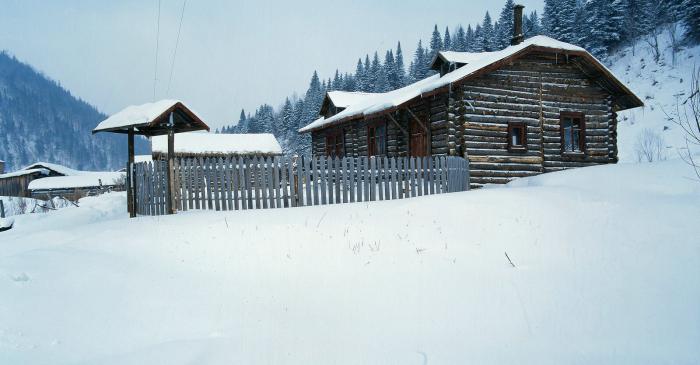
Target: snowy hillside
(41, 121)
(660, 85)
(606, 272)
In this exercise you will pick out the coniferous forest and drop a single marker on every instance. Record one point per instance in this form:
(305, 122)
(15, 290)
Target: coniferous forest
(599, 26)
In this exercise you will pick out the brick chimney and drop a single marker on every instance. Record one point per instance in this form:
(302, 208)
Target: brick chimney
(517, 25)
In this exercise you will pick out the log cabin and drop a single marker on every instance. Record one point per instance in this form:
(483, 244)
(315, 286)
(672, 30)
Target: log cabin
(537, 106)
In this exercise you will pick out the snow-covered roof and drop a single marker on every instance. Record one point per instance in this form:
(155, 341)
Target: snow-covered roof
(382, 102)
(145, 115)
(23, 172)
(343, 99)
(54, 167)
(459, 57)
(143, 158)
(85, 180)
(220, 144)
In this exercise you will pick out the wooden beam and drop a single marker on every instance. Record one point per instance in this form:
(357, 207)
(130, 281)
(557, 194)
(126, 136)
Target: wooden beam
(131, 197)
(391, 117)
(170, 201)
(420, 122)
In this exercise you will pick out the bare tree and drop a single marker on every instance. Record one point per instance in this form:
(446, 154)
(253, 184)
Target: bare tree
(649, 146)
(687, 116)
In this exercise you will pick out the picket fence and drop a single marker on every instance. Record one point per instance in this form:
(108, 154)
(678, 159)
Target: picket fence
(281, 182)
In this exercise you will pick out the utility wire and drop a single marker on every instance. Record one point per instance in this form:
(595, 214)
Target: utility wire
(155, 71)
(177, 41)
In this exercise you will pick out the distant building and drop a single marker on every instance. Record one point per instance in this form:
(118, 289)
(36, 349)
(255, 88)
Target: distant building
(218, 145)
(44, 180)
(2, 167)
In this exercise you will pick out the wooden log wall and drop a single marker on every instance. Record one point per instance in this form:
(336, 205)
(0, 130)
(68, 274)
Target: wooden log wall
(534, 90)
(18, 185)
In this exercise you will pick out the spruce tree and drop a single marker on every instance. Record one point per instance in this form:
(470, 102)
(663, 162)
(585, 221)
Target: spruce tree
(486, 40)
(504, 29)
(399, 65)
(459, 40)
(602, 25)
(531, 25)
(390, 70)
(478, 34)
(359, 76)
(435, 43)
(447, 40)
(470, 39)
(367, 75)
(417, 72)
(374, 73)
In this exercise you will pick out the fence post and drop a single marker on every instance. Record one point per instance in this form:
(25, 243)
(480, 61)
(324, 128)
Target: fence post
(2, 209)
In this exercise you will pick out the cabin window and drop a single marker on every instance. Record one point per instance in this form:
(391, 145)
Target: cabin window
(517, 136)
(335, 146)
(376, 140)
(573, 132)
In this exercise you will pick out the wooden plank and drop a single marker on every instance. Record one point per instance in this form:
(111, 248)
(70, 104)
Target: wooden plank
(284, 193)
(290, 182)
(419, 176)
(392, 178)
(249, 175)
(264, 183)
(344, 178)
(258, 181)
(300, 182)
(216, 183)
(234, 204)
(352, 184)
(426, 175)
(366, 179)
(338, 180)
(276, 181)
(231, 176)
(400, 176)
(386, 177)
(322, 166)
(330, 179)
(372, 178)
(412, 176)
(314, 179)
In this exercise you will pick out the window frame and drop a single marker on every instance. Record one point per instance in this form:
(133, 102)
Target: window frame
(335, 136)
(574, 116)
(523, 136)
(371, 140)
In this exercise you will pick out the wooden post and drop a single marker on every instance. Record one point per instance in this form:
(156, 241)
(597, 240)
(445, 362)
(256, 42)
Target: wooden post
(170, 202)
(2, 209)
(131, 197)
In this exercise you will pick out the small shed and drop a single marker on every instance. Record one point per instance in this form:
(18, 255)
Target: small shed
(16, 183)
(74, 187)
(164, 117)
(218, 145)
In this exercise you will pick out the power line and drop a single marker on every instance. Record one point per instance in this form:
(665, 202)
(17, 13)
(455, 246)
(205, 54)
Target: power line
(177, 41)
(155, 71)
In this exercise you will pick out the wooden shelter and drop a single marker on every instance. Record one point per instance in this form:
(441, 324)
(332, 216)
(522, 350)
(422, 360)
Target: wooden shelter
(165, 117)
(538, 105)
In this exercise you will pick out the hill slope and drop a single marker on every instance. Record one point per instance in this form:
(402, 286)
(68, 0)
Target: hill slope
(600, 277)
(41, 121)
(661, 85)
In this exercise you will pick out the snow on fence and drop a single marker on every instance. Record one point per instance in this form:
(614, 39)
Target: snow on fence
(281, 182)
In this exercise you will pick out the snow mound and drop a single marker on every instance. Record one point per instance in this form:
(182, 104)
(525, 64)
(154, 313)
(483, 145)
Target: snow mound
(604, 271)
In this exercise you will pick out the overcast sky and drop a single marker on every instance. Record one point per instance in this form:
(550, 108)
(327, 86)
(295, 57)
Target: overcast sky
(231, 55)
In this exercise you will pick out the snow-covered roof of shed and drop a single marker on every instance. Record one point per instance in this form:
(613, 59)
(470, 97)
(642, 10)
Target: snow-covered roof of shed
(146, 115)
(23, 172)
(220, 144)
(67, 171)
(458, 57)
(143, 158)
(383, 102)
(85, 180)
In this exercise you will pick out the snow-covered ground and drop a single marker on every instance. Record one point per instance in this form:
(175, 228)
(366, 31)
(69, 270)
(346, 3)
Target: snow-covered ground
(606, 272)
(661, 85)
